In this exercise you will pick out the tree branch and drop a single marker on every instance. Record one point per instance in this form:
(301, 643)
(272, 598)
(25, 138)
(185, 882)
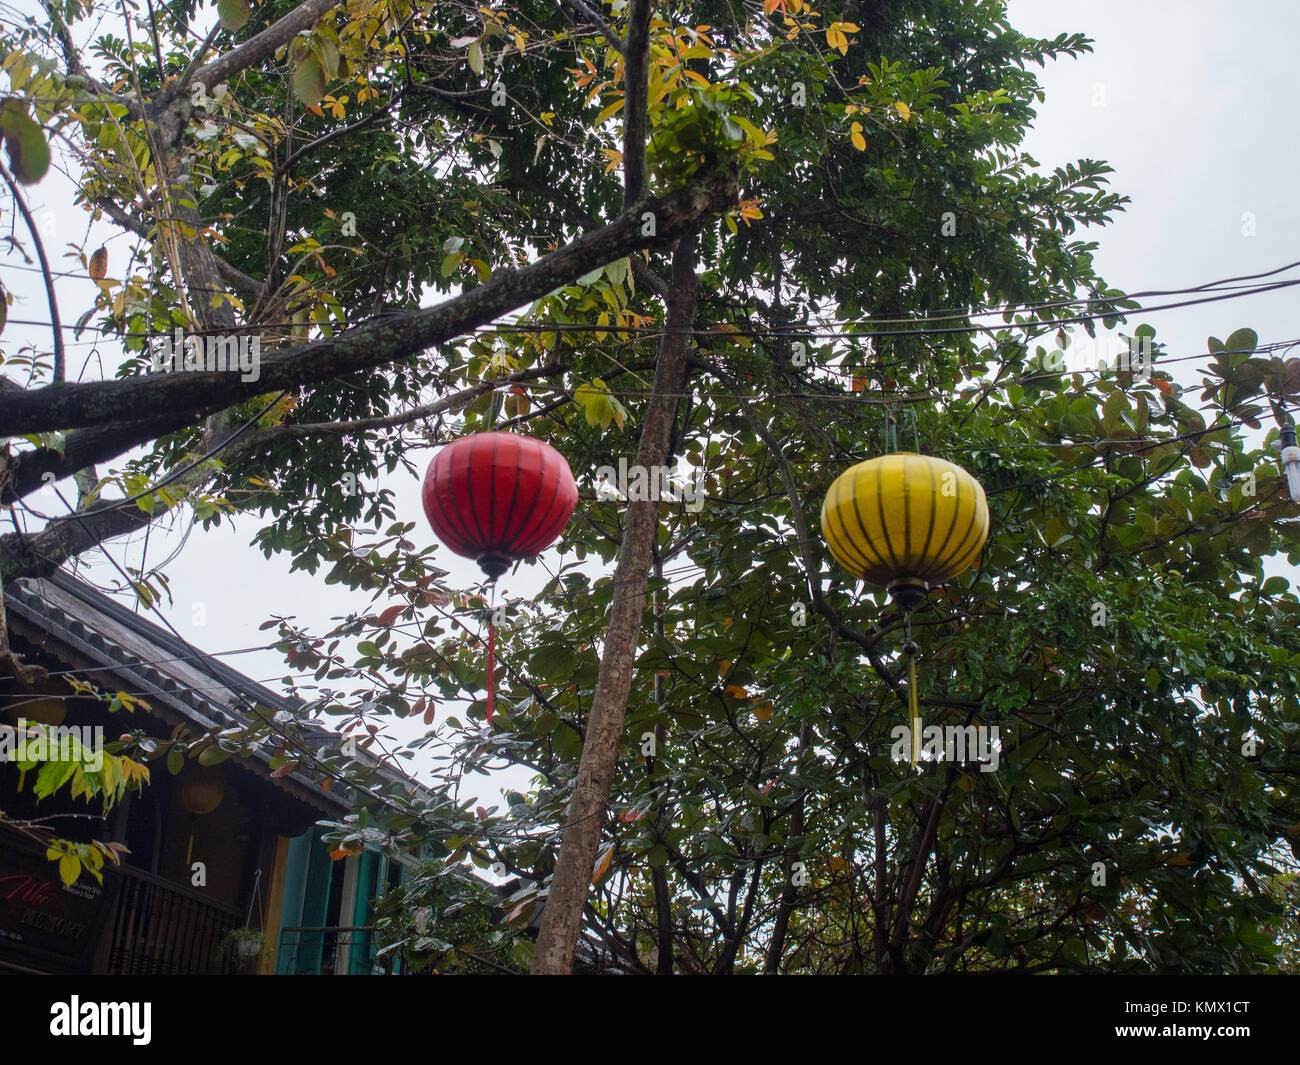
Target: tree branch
(71, 57)
(571, 882)
(263, 45)
(41, 553)
(234, 277)
(636, 66)
(615, 41)
(652, 223)
(81, 449)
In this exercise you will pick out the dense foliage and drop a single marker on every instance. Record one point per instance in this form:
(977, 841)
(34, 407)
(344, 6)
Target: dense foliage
(1119, 631)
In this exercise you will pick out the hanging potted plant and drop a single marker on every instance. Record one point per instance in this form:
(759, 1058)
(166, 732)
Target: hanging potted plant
(241, 947)
(239, 951)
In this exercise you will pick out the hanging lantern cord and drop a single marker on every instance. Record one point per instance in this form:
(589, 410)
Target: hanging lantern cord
(909, 649)
(253, 903)
(491, 652)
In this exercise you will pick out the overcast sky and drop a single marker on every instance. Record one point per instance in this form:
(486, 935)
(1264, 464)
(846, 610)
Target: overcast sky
(1188, 102)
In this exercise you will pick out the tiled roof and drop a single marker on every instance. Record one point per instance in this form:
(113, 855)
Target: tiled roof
(166, 671)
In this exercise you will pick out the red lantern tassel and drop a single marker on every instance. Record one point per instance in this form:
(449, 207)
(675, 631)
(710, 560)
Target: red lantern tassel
(491, 669)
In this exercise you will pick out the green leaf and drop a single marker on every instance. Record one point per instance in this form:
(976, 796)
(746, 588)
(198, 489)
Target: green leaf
(233, 13)
(29, 155)
(476, 57)
(212, 755)
(617, 270)
(328, 53)
(309, 80)
(1242, 341)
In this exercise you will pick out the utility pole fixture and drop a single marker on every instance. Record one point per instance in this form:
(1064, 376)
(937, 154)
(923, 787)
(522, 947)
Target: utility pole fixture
(1288, 451)
(1291, 461)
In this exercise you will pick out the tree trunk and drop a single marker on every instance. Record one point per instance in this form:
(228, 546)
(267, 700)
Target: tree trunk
(562, 916)
(789, 893)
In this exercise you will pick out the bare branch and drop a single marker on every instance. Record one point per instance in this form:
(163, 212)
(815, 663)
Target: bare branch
(196, 64)
(334, 134)
(59, 357)
(404, 417)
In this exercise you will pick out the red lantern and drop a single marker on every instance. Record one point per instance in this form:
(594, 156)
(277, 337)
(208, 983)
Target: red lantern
(498, 498)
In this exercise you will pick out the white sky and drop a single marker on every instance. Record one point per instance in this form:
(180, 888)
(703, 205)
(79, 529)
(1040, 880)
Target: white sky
(1193, 93)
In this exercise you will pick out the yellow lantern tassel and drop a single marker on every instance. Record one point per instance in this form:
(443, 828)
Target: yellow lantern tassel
(916, 713)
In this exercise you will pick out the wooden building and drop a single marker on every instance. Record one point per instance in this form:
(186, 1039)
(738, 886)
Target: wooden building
(263, 864)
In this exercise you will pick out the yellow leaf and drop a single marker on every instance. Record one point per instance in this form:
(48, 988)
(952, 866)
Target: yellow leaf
(610, 111)
(855, 135)
(903, 110)
(69, 869)
(602, 864)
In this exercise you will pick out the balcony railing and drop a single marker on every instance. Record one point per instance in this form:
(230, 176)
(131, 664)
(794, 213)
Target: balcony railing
(163, 928)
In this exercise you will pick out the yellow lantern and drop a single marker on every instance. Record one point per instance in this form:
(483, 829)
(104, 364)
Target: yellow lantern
(44, 702)
(200, 789)
(909, 523)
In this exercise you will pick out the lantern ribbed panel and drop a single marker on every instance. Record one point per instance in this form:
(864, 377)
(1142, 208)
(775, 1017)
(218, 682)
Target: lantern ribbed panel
(905, 517)
(498, 495)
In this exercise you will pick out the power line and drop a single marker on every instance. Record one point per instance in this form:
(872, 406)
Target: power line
(796, 333)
